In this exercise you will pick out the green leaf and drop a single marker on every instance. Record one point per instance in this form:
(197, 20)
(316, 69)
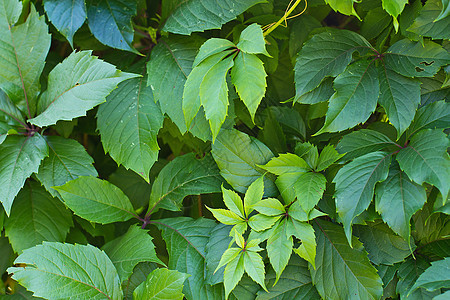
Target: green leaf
(399, 96)
(408, 272)
(343, 272)
(394, 8)
(128, 123)
(110, 22)
(445, 10)
(269, 207)
(296, 211)
(96, 200)
(343, 6)
(279, 248)
(412, 59)
(355, 183)
(211, 47)
(442, 296)
(161, 284)
(435, 277)
(233, 273)
(73, 272)
(192, 100)
(254, 267)
(9, 113)
(260, 222)
(186, 240)
(128, 250)
(327, 157)
(225, 216)
(233, 201)
(140, 273)
(309, 189)
(24, 49)
(67, 160)
(249, 78)
(362, 142)
(425, 159)
(428, 23)
(304, 232)
(355, 98)
(214, 94)
(325, 54)
(320, 94)
(294, 283)
(184, 176)
(88, 81)
(19, 158)
(218, 243)
(36, 217)
(201, 15)
(253, 195)
(168, 68)
(435, 115)
(238, 156)
(66, 15)
(286, 163)
(397, 199)
(382, 244)
(252, 40)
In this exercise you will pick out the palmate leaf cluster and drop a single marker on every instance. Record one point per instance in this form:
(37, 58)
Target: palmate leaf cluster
(233, 149)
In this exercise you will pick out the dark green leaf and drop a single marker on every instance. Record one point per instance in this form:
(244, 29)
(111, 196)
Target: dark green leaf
(201, 15)
(435, 277)
(355, 183)
(96, 200)
(140, 273)
(66, 15)
(435, 115)
(19, 158)
(217, 244)
(343, 272)
(56, 270)
(184, 176)
(36, 217)
(161, 284)
(426, 24)
(408, 272)
(67, 160)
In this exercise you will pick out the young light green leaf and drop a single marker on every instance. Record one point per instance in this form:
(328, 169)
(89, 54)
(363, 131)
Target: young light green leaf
(435, 277)
(343, 6)
(96, 200)
(327, 157)
(212, 13)
(355, 98)
(66, 15)
(168, 68)
(191, 96)
(238, 156)
(325, 54)
(229, 255)
(435, 115)
(362, 142)
(285, 184)
(128, 250)
(186, 240)
(425, 159)
(19, 158)
(36, 217)
(342, 272)
(184, 176)
(110, 22)
(412, 59)
(233, 201)
(225, 216)
(260, 222)
(279, 248)
(214, 94)
(249, 78)
(128, 123)
(252, 40)
(355, 184)
(67, 160)
(24, 49)
(382, 244)
(309, 153)
(397, 199)
(400, 96)
(394, 8)
(269, 207)
(210, 47)
(233, 274)
(253, 195)
(304, 232)
(254, 267)
(88, 80)
(309, 189)
(161, 284)
(296, 211)
(286, 163)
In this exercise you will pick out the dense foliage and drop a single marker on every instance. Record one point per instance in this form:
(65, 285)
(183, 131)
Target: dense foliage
(224, 149)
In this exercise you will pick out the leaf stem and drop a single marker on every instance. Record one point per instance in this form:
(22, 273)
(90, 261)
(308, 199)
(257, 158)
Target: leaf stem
(284, 17)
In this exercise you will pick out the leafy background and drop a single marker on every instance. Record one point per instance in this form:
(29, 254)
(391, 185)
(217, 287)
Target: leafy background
(234, 149)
